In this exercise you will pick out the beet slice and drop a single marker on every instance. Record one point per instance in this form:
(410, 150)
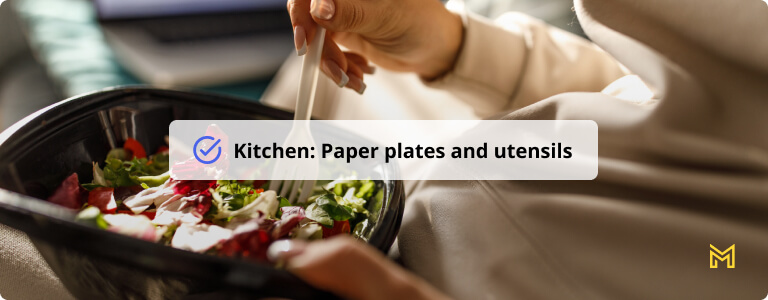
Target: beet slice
(68, 193)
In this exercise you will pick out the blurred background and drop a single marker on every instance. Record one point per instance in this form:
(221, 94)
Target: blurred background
(54, 49)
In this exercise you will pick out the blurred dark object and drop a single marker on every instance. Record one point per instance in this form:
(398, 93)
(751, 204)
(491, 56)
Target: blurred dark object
(40, 151)
(24, 86)
(201, 28)
(172, 43)
(66, 39)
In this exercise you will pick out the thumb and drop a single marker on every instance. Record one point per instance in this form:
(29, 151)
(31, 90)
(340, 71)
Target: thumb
(354, 270)
(343, 15)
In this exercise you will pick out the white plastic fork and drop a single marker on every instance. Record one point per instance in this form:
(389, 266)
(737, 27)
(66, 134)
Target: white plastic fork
(302, 171)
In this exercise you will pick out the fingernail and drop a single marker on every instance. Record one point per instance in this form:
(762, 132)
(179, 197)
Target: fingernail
(323, 9)
(368, 69)
(335, 72)
(300, 39)
(283, 249)
(344, 79)
(357, 84)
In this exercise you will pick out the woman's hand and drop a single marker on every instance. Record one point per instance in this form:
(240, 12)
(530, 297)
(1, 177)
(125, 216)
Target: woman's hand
(351, 269)
(419, 36)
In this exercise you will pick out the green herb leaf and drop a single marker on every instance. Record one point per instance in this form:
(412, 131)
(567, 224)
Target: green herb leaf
(336, 211)
(283, 203)
(236, 201)
(316, 213)
(234, 194)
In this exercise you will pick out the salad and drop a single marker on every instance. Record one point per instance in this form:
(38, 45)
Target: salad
(132, 194)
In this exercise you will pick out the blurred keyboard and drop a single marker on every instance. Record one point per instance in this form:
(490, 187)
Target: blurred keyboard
(197, 28)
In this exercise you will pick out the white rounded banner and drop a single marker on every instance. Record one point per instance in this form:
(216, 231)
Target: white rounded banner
(378, 150)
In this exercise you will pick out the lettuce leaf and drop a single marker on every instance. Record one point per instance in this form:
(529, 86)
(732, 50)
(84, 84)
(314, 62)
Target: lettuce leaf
(335, 211)
(316, 213)
(137, 171)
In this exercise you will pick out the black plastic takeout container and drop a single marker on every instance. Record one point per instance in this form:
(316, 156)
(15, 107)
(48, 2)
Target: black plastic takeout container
(38, 152)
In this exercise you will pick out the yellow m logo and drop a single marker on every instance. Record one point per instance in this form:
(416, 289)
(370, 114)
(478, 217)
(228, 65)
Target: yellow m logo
(729, 256)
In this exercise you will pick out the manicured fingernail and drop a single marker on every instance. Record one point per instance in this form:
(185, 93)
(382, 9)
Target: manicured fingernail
(344, 79)
(335, 72)
(363, 86)
(371, 69)
(300, 39)
(356, 84)
(283, 249)
(323, 9)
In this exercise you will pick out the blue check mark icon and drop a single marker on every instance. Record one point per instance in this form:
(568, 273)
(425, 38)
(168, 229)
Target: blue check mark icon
(206, 152)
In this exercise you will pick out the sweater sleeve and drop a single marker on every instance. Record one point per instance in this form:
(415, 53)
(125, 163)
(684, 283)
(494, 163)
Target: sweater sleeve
(519, 60)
